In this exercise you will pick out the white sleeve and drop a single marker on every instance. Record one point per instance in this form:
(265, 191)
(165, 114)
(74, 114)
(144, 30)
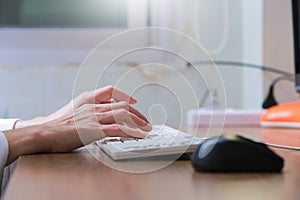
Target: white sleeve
(7, 124)
(3, 156)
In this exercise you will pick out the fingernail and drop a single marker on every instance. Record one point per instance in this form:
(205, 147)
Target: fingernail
(132, 100)
(143, 134)
(149, 126)
(146, 127)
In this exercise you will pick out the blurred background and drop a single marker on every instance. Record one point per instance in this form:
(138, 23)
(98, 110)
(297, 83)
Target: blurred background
(44, 42)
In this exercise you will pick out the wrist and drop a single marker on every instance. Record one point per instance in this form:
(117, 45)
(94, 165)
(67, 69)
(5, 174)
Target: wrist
(25, 141)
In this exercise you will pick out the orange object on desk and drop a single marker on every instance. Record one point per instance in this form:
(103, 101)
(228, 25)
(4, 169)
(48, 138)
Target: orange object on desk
(284, 115)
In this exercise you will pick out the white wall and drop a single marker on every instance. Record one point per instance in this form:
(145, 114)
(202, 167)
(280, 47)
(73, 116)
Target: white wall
(231, 30)
(253, 94)
(36, 81)
(278, 46)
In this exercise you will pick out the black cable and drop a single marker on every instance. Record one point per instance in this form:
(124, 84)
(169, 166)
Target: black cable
(242, 64)
(270, 99)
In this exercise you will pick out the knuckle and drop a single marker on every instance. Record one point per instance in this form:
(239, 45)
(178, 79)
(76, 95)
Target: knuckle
(84, 95)
(101, 115)
(124, 104)
(123, 112)
(109, 88)
(116, 127)
(105, 108)
(98, 107)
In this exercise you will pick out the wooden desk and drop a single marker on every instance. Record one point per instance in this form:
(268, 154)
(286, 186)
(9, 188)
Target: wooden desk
(79, 175)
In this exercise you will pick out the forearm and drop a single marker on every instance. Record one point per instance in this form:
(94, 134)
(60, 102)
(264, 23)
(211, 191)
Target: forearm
(66, 110)
(25, 141)
(31, 122)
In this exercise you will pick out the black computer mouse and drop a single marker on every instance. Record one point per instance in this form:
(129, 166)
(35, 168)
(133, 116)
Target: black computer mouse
(234, 153)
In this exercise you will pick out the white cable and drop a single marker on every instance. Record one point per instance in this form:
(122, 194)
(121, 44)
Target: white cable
(282, 146)
(197, 27)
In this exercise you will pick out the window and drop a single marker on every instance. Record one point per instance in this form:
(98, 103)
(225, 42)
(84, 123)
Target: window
(66, 23)
(63, 13)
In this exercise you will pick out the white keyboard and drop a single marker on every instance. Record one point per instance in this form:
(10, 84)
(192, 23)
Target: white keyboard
(161, 141)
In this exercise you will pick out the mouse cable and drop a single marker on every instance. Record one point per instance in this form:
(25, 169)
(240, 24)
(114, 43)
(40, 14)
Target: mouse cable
(281, 146)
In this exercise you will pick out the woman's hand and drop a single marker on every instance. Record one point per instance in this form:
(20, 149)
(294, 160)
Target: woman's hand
(103, 95)
(88, 123)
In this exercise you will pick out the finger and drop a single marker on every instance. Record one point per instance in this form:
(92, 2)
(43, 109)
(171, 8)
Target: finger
(120, 105)
(119, 130)
(113, 101)
(109, 101)
(138, 113)
(110, 92)
(122, 116)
